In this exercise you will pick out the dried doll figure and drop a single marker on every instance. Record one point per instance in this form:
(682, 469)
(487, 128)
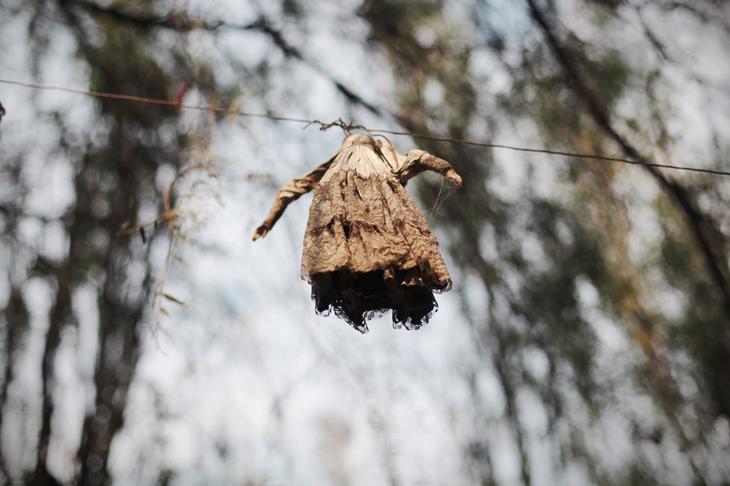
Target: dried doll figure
(367, 247)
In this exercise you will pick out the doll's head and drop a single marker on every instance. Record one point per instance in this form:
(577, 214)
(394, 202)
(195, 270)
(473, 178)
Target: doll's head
(357, 139)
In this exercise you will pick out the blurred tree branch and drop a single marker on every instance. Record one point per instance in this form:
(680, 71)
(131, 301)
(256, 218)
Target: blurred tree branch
(183, 23)
(703, 229)
(693, 8)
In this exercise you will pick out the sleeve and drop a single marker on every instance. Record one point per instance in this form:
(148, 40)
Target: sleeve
(418, 161)
(288, 193)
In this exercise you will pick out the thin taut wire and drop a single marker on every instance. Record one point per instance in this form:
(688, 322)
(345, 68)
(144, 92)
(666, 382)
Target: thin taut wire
(350, 126)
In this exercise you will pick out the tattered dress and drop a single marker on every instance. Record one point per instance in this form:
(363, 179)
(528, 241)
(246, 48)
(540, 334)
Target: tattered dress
(367, 247)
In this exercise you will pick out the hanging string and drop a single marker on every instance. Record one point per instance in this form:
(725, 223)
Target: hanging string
(446, 189)
(347, 127)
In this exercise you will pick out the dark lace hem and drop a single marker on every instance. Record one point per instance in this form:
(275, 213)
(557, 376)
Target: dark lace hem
(359, 297)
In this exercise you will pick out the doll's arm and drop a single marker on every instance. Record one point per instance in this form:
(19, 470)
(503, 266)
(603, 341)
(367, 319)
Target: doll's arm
(288, 193)
(418, 161)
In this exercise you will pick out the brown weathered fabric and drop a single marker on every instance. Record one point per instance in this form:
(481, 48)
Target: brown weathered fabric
(367, 248)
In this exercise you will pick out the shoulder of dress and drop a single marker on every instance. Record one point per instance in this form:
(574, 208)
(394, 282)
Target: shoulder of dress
(394, 158)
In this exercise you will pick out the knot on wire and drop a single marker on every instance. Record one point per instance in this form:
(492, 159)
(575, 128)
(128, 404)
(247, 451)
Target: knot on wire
(347, 127)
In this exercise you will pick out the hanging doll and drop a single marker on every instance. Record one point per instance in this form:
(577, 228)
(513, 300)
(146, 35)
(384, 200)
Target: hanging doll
(367, 247)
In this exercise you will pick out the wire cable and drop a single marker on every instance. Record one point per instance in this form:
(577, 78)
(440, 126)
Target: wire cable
(350, 126)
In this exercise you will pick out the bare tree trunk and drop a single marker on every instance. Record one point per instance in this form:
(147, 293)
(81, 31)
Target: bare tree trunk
(118, 333)
(120, 316)
(58, 318)
(16, 321)
(131, 165)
